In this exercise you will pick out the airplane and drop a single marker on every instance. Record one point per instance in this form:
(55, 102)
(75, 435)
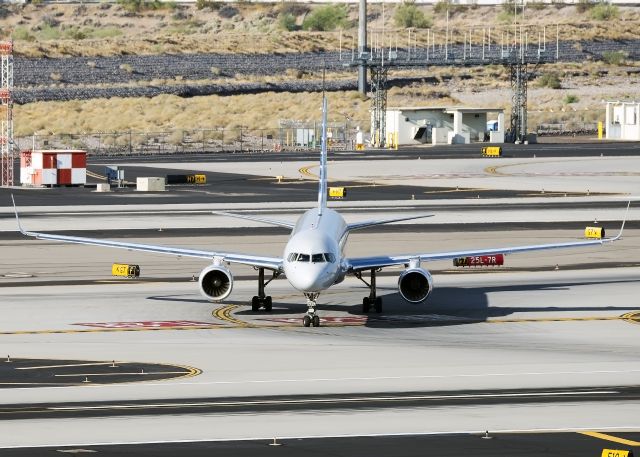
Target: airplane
(313, 259)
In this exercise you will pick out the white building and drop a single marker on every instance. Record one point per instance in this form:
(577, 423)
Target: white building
(622, 120)
(442, 125)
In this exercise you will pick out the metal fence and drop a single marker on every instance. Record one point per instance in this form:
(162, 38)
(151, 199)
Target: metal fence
(569, 128)
(296, 137)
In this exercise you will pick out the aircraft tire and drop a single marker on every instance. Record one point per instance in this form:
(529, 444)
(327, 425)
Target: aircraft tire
(306, 321)
(378, 304)
(366, 305)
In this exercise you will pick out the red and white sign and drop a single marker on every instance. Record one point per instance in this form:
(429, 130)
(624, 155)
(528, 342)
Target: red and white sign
(149, 324)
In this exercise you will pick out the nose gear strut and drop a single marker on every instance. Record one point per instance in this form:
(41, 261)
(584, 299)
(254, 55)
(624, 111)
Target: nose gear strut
(311, 318)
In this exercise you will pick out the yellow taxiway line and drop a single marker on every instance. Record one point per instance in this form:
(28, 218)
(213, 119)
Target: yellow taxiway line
(615, 439)
(225, 314)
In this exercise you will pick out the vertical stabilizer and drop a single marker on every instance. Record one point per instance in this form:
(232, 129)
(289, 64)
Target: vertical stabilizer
(322, 190)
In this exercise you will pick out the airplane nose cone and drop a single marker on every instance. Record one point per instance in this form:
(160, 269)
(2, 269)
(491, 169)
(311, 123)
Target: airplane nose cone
(305, 282)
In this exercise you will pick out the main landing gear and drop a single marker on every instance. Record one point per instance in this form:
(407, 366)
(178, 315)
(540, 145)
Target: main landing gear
(311, 318)
(262, 300)
(372, 301)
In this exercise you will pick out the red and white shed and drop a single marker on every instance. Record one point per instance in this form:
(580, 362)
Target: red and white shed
(53, 167)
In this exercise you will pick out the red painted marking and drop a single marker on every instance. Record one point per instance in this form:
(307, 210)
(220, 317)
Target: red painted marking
(355, 320)
(148, 324)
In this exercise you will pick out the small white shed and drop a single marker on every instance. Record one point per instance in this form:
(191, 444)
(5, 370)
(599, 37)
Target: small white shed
(622, 120)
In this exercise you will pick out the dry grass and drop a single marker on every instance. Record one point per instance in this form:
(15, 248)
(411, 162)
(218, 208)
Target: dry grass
(169, 112)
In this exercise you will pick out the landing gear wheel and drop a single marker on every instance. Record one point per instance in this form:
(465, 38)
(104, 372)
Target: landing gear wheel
(377, 304)
(255, 304)
(315, 321)
(268, 303)
(366, 305)
(306, 321)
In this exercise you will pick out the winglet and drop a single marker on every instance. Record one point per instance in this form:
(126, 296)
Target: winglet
(17, 218)
(624, 219)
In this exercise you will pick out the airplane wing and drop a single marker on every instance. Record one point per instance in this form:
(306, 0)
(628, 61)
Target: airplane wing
(285, 224)
(367, 263)
(271, 263)
(363, 224)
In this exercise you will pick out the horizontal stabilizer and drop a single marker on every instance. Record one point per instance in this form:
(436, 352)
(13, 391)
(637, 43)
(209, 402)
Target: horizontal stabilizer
(363, 224)
(285, 224)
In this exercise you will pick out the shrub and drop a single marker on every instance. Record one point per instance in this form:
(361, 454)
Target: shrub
(550, 80)
(106, 32)
(201, 4)
(614, 57)
(584, 5)
(135, 6)
(442, 6)
(570, 98)
(326, 18)
(75, 33)
(296, 9)
(227, 12)
(23, 34)
(49, 33)
(604, 12)
(408, 15)
(287, 21)
(50, 21)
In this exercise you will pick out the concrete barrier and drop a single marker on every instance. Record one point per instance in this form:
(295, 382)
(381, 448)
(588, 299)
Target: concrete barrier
(150, 184)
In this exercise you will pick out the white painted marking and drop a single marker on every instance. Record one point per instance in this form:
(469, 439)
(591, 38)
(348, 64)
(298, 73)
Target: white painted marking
(595, 426)
(376, 378)
(121, 374)
(64, 366)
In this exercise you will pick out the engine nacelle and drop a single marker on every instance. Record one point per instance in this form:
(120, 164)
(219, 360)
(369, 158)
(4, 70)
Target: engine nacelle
(216, 282)
(415, 284)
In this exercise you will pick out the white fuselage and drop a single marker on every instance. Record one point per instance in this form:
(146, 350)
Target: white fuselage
(313, 256)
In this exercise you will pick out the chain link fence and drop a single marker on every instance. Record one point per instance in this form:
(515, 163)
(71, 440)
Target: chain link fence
(290, 136)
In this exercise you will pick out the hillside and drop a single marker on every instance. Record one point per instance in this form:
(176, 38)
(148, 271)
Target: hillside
(110, 67)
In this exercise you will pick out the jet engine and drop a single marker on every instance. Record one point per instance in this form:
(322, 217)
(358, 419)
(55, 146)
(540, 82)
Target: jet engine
(216, 282)
(415, 284)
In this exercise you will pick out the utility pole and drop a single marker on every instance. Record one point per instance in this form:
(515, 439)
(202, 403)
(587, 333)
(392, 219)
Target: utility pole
(362, 47)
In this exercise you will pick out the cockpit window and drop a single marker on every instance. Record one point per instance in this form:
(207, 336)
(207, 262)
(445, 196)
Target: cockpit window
(292, 257)
(303, 257)
(317, 258)
(330, 257)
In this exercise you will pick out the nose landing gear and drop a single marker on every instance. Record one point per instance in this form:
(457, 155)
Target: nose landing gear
(372, 301)
(311, 318)
(262, 300)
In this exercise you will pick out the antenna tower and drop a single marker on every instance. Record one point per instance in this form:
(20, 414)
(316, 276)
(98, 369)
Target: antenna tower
(6, 114)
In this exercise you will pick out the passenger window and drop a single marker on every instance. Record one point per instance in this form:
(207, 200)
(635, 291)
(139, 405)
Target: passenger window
(303, 258)
(317, 258)
(330, 257)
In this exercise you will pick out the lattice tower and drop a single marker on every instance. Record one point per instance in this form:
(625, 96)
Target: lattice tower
(6, 114)
(379, 90)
